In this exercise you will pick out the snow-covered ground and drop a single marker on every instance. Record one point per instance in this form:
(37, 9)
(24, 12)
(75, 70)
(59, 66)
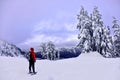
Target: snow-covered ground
(90, 66)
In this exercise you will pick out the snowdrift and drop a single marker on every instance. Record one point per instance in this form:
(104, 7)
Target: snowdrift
(90, 66)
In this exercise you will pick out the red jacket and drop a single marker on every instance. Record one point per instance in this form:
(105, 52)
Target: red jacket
(33, 56)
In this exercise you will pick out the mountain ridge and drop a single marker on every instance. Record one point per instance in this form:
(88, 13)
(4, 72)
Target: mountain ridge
(7, 49)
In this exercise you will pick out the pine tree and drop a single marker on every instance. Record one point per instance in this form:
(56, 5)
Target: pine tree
(107, 43)
(94, 36)
(97, 26)
(116, 28)
(84, 27)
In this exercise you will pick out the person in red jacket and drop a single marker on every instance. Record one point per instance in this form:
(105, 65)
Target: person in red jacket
(32, 60)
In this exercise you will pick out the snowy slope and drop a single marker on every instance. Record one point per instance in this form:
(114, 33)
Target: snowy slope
(7, 49)
(91, 66)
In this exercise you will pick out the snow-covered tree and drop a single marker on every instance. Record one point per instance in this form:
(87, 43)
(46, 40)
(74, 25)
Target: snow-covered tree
(51, 51)
(101, 35)
(94, 36)
(43, 49)
(48, 51)
(97, 26)
(84, 27)
(116, 28)
(91, 30)
(107, 43)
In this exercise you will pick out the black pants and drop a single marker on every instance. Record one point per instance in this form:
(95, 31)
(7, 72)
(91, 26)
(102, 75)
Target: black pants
(32, 65)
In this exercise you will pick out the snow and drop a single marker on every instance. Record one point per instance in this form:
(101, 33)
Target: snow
(7, 49)
(89, 66)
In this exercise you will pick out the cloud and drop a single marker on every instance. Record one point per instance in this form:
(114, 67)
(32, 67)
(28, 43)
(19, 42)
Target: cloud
(61, 30)
(70, 26)
(62, 35)
(46, 25)
(36, 40)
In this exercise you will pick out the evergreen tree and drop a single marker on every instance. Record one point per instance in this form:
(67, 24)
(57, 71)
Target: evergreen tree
(116, 28)
(94, 36)
(107, 43)
(84, 27)
(97, 26)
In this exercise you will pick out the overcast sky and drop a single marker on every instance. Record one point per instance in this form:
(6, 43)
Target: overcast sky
(28, 23)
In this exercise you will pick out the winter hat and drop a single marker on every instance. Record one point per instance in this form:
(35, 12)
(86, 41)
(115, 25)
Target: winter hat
(32, 49)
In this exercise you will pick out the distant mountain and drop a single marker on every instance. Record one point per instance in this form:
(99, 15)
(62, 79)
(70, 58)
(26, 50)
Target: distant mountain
(7, 49)
(64, 53)
(69, 52)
